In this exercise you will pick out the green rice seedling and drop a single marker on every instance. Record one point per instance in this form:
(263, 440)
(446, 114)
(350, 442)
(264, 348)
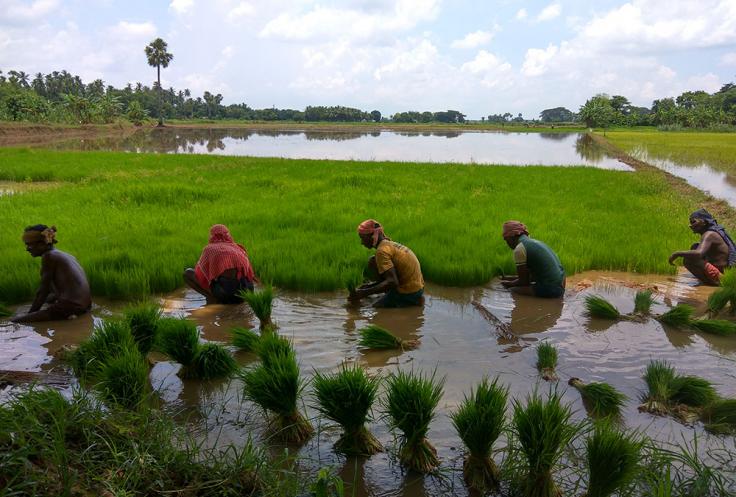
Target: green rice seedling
(692, 391)
(613, 460)
(479, 421)
(178, 338)
(261, 301)
(346, 397)
(275, 385)
(678, 316)
(409, 405)
(245, 339)
(643, 301)
(376, 337)
(108, 340)
(4, 311)
(718, 300)
(598, 307)
(720, 416)
(124, 379)
(547, 361)
(659, 377)
(143, 320)
(715, 326)
(211, 360)
(600, 399)
(543, 431)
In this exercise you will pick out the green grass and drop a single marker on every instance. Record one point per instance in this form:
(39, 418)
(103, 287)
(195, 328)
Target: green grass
(124, 379)
(601, 399)
(479, 421)
(346, 397)
(211, 361)
(598, 307)
(410, 404)
(376, 337)
(613, 459)
(300, 228)
(643, 301)
(261, 301)
(108, 340)
(4, 311)
(143, 320)
(178, 338)
(244, 339)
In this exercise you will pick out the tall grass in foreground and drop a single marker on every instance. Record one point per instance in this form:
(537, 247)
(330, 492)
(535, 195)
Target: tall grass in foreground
(543, 430)
(346, 397)
(261, 301)
(601, 400)
(547, 361)
(143, 321)
(613, 460)
(410, 403)
(479, 421)
(276, 386)
(376, 337)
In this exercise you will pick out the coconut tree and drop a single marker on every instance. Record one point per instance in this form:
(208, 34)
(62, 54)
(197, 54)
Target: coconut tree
(158, 57)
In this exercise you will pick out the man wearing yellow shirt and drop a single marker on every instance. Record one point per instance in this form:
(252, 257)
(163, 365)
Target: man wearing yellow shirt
(400, 275)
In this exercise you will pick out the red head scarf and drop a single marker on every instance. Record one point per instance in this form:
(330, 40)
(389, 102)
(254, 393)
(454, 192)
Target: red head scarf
(371, 227)
(221, 254)
(514, 228)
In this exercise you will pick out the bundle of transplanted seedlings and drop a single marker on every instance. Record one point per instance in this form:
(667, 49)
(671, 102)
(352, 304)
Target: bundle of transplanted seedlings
(725, 296)
(543, 430)
(375, 337)
(547, 361)
(601, 400)
(479, 421)
(179, 339)
(671, 393)
(276, 386)
(346, 397)
(720, 416)
(613, 460)
(410, 404)
(261, 301)
(244, 339)
(143, 319)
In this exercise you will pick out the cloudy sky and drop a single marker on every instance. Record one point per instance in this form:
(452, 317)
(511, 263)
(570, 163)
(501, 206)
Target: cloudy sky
(481, 57)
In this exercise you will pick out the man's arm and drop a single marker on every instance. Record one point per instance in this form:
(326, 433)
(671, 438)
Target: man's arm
(390, 280)
(522, 278)
(48, 266)
(705, 245)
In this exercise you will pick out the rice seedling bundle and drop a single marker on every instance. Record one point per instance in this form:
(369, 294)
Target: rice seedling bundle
(376, 337)
(714, 326)
(109, 339)
(143, 321)
(261, 301)
(543, 431)
(720, 416)
(598, 307)
(678, 316)
(4, 311)
(613, 460)
(409, 405)
(718, 300)
(601, 399)
(211, 360)
(692, 391)
(547, 361)
(275, 385)
(479, 421)
(245, 339)
(124, 378)
(346, 397)
(658, 376)
(178, 338)
(643, 302)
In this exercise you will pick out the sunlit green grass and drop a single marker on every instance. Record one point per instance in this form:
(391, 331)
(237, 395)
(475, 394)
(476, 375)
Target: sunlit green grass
(135, 221)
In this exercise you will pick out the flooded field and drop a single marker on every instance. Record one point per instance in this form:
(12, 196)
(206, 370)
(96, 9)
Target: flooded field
(431, 146)
(455, 339)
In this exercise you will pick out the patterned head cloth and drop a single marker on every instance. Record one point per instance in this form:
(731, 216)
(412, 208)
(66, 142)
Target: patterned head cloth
(40, 233)
(220, 255)
(714, 226)
(220, 234)
(371, 227)
(514, 228)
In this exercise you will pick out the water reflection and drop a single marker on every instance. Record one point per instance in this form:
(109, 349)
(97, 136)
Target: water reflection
(425, 146)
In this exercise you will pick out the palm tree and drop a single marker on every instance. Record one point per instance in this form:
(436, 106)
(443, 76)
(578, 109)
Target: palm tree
(158, 57)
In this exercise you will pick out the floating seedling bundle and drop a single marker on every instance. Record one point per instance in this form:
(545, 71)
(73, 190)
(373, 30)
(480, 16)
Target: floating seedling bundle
(724, 296)
(124, 378)
(670, 393)
(479, 421)
(543, 430)
(410, 405)
(143, 321)
(275, 385)
(600, 399)
(245, 339)
(108, 340)
(346, 397)
(547, 361)
(613, 459)
(643, 301)
(720, 416)
(261, 301)
(178, 338)
(212, 360)
(375, 337)
(598, 307)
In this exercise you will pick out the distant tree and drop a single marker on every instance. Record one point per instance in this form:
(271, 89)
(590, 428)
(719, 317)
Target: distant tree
(556, 115)
(376, 116)
(136, 112)
(620, 104)
(597, 112)
(158, 57)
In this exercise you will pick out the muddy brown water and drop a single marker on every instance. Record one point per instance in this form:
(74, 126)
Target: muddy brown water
(455, 340)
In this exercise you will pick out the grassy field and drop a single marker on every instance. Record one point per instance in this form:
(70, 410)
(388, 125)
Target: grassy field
(718, 150)
(135, 221)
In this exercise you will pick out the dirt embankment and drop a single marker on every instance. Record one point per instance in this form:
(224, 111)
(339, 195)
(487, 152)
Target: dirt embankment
(720, 209)
(15, 134)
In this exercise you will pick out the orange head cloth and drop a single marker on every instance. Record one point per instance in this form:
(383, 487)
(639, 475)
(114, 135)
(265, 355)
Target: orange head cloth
(46, 235)
(514, 228)
(371, 227)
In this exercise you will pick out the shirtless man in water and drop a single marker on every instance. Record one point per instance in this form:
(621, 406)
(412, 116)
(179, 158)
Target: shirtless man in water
(64, 285)
(716, 251)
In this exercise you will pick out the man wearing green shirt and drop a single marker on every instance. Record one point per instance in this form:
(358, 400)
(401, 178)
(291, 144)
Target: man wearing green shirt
(538, 269)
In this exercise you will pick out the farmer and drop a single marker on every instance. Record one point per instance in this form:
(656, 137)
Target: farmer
(223, 269)
(716, 251)
(538, 269)
(64, 285)
(399, 273)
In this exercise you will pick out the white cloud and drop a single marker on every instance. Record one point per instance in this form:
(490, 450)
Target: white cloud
(181, 6)
(728, 59)
(708, 82)
(521, 14)
(536, 60)
(20, 11)
(243, 9)
(133, 30)
(473, 40)
(493, 71)
(417, 57)
(550, 12)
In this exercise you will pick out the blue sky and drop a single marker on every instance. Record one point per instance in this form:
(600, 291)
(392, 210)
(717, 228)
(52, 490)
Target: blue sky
(480, 57)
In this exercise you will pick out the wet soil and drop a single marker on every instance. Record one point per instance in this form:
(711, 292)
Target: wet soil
(456, 340)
